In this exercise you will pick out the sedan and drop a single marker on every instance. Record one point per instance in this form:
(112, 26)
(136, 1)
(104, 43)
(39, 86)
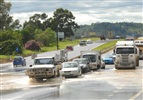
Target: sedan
(83, 63)
(70, 69)
(108, 59)
(19, 60)
(69, 48)
(89, 41)
(82, 43)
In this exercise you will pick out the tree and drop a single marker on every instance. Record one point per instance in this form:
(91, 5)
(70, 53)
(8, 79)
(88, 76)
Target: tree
(63, 21)
(47, 37)
(6, 21)
(37, 21)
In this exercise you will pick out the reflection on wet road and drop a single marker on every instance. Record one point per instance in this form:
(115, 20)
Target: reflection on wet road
(108, 84)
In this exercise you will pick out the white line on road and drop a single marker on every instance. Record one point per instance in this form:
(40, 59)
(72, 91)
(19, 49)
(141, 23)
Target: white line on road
(136, 95)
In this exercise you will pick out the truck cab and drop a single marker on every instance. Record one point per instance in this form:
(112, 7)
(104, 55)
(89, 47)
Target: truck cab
(127, 55)
(94, 58)
(43, 68)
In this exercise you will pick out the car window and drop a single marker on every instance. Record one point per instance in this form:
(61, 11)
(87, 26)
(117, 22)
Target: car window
(43, 61)
(81, 61)
(70, 65)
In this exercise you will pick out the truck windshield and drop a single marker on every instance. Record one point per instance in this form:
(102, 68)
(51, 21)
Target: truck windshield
(43, 61)
(125, 51)
(92, 58)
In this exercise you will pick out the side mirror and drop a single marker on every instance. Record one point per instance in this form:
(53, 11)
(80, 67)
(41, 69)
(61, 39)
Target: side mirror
(30, 66)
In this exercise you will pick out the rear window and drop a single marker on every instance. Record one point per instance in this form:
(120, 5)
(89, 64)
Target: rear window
(92, 58)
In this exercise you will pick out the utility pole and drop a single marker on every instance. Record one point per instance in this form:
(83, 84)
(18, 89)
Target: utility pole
(57, 42)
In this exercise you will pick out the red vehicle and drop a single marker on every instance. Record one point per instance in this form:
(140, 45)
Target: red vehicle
(69, 48)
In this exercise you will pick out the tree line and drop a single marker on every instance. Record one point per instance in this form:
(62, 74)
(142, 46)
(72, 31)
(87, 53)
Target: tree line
(39, 30)
(110, 30)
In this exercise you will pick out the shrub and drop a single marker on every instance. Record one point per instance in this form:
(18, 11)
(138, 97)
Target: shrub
(32, 45)
(10, 47)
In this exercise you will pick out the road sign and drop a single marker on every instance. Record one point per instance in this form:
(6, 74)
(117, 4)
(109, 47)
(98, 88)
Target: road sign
(61, 34)
(17, 49)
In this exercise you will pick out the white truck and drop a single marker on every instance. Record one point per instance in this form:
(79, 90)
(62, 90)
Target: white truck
(94, 58)
(127, 55)
(139, 44)
(46, 67)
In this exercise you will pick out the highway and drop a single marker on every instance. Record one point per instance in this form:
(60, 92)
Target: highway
(102, 84)
(8, 67)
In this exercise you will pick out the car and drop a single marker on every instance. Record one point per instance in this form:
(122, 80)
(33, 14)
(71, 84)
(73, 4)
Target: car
(70, 69)
(83, 63)
(82, 43)
(89, 41)
(69, 48)
(108, 59)
(102, 37)
(102, 64)
(19, 60)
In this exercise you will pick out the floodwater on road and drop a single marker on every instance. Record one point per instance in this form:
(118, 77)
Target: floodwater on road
(108, 83)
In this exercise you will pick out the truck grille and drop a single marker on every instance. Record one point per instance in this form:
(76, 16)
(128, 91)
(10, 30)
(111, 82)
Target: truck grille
(125, 59)
(40, 70)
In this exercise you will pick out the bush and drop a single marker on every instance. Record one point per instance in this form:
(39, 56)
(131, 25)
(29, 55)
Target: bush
(10, 47)
(32, 45)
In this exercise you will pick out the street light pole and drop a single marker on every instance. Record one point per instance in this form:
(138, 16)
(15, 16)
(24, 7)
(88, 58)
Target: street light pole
(57, 42)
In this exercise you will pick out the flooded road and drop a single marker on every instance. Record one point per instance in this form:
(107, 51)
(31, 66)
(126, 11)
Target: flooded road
(107, 84)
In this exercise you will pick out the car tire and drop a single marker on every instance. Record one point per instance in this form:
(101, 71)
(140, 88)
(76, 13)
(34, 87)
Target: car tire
(103, 67)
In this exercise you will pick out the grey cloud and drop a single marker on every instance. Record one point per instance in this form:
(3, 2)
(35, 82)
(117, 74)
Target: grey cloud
(103, 9)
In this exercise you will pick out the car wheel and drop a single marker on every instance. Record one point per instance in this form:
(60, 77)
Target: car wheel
(14, 65)
(80, 73)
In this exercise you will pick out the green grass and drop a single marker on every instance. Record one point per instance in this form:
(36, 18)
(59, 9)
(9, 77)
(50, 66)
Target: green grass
(106, 45)
(62, 45)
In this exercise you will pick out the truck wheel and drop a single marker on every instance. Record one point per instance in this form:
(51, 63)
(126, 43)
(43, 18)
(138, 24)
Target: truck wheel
(58, 73)
(54, 75)
(116, 68)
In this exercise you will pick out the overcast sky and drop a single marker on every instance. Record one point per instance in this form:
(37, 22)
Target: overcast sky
(85, 11)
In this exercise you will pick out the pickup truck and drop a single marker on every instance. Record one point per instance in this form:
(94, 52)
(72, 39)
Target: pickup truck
(43, 68)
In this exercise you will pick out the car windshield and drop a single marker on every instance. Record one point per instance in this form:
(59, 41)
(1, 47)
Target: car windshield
(70, 65)
(43, 61)
(81, 61)
(92, 58)
(17, 58)
(125, 51)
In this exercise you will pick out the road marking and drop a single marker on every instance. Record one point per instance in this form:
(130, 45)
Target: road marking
(136, 95)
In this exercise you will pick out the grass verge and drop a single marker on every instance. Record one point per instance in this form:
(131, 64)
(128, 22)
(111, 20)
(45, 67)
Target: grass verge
(62, 45)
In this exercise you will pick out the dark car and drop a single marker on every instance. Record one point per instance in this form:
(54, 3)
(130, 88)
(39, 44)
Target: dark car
(19, 60)
(82, 43)
(83, 63)
(102, 37)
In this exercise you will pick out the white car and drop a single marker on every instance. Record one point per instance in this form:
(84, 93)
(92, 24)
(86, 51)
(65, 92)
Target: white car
(88, 41)
(70, 69)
